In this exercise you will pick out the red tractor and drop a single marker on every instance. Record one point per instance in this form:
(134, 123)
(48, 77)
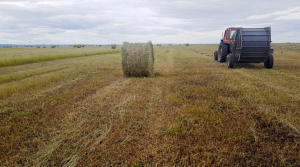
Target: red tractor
(246, 45)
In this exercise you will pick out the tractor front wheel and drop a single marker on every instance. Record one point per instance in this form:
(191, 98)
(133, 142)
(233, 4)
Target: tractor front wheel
(223, 50)
(230, 61)
(216, 55)
(270, 61)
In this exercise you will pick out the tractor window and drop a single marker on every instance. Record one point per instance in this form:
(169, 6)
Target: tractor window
(232, 31)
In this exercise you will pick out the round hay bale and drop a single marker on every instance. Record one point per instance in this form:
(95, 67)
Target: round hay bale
(187, 44)
(137, 59)
(53, 46)
(113, 46)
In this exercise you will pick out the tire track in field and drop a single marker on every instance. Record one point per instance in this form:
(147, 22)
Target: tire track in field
(164, 61)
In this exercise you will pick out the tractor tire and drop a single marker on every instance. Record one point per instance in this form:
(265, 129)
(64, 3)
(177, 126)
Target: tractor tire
(223, 49)
(230, 60)
(216, 55)
(270, 61)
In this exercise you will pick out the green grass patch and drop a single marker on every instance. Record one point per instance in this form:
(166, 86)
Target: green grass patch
(21, 61)
(23, 75)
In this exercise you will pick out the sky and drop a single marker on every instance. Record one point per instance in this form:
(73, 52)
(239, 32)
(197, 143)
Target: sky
(159, 21)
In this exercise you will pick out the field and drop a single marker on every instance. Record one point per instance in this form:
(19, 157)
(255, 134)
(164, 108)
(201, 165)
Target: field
(72, 107)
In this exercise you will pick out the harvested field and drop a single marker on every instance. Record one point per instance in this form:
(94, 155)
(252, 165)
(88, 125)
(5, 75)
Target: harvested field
(81, 111)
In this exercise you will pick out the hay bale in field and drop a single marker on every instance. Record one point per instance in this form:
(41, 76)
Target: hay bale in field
(53, 46)
(137, 59)
(113, 46)
(187, 44)
(38, 47)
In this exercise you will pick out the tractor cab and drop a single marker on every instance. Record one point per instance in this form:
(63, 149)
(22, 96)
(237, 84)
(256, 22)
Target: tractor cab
(228, 36)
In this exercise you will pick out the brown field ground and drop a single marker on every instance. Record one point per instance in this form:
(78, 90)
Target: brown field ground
(81, 111)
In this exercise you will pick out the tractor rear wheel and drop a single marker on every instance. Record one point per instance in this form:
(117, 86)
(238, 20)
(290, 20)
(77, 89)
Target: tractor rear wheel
(230, 61)
(270, 61)
(216, 55)
(223, 50)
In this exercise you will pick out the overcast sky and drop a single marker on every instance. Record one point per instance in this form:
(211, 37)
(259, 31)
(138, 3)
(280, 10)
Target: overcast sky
(161, 21)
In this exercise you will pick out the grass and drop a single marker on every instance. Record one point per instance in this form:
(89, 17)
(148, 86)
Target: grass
(81, 111)
(21, 61)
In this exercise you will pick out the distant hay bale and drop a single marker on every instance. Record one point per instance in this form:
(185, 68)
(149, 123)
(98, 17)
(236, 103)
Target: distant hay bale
(187, 44)
(53, 46)
(38, 47)
(137, 59)
(113, 46)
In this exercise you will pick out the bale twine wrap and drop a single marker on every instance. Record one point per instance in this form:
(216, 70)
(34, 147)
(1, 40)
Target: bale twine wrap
(137, 59)
(113, 46)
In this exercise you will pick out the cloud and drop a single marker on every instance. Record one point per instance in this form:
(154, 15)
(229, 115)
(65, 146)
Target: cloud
(273, 14)
(162, 21)
(290, 16)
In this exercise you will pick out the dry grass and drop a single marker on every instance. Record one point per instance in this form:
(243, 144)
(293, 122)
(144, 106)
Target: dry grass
(194, 112)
